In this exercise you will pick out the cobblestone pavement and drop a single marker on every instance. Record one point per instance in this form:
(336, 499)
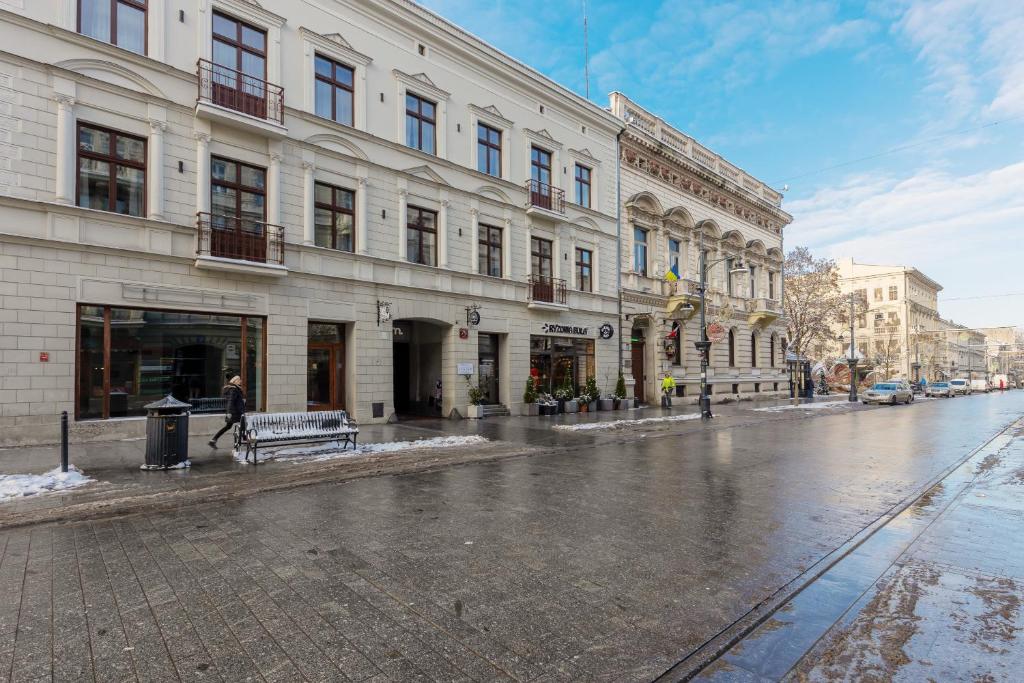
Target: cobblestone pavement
(607, 560)
(950, 607)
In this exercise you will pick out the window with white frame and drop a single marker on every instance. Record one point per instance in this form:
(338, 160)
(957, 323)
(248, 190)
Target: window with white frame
(640, 251)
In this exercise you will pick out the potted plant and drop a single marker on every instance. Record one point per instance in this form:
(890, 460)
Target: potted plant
(565, 395)
(593, 393)
(584, 400)
(476, 398)
(547, 405)
(530, 397)
(620, 392)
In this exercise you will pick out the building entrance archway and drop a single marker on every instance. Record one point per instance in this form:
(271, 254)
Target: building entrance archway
(417, 347)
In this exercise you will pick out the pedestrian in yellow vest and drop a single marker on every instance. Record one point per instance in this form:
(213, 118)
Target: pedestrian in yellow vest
(668, 387)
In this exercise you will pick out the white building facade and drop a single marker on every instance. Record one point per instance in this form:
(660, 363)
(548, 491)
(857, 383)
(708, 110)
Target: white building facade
(679, 198)
(350, 203)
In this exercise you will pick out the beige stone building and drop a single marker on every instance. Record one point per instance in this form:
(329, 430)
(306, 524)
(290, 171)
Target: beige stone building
(678, 196)
(901, 333)
(347, 202)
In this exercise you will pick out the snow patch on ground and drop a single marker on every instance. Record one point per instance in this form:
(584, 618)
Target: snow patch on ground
(819, 405)
(332, 451)
(22, 485)
(587, 426)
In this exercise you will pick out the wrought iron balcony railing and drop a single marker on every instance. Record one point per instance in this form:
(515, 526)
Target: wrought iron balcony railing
(240, 239)
(232, 89)
(545, 196)
(547, 289)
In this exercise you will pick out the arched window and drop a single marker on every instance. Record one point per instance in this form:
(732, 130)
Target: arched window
(771, 350)
(753, 349)
(732, 349)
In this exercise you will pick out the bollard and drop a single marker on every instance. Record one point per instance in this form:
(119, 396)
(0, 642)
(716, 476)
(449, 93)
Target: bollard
(64, 441)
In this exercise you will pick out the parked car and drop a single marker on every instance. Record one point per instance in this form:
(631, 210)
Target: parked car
(960, 386)
(889, 392)
(939, 389)
(981, 385)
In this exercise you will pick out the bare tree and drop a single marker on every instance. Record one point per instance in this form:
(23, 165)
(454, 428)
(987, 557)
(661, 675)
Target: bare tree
(887, 351)
(813, 302)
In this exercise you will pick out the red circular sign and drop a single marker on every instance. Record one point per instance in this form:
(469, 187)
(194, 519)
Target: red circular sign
(716, 332)
(463, 333)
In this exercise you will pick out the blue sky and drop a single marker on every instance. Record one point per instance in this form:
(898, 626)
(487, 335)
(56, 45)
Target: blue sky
(787, 90)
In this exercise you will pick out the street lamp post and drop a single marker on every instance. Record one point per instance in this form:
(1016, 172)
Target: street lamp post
(704, 344)
(851, 357)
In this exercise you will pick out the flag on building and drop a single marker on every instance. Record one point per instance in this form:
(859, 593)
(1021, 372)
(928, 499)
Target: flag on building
(673, 273)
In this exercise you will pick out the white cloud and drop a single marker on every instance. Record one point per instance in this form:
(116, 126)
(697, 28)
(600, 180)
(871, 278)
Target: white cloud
(962, 231)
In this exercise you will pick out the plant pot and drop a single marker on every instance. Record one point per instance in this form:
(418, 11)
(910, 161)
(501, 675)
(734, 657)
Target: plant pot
(572, 406)
(529, 410)
(636, 403)
(474, 412)
(561, 405)
(592, 406)
(606, 404)
(548, 408)
(584, 407)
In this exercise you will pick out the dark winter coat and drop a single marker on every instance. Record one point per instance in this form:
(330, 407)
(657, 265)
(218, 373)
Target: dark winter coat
(234, 401)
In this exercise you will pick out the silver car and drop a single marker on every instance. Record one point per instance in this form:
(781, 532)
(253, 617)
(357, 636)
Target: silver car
(939, 389)
(889, 393)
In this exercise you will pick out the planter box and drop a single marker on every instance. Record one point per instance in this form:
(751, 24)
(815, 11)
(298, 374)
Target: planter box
(548, 409)
(606, 404)
(529, 410)
(592, 406)
(572, 406)
(474, 412)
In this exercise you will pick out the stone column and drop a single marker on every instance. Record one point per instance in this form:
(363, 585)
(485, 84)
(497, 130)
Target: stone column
(274, 189)
(362, 206)
(202, 172)
(474, 235)
(308, 200)
(403, 222)
(442, 234)
(506, 250)
(66, 152)
(155, 169)
(595, 269)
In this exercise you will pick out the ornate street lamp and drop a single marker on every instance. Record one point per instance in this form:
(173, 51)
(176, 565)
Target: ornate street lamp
(704, 344)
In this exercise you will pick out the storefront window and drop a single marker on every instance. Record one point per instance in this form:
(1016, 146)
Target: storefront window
(155, 353)
(552, 359)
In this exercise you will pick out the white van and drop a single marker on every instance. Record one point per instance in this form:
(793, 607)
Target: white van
(1000, 382)
(960, 386)
(980, 385)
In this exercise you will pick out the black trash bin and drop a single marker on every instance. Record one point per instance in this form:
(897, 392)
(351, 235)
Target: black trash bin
(166, 434)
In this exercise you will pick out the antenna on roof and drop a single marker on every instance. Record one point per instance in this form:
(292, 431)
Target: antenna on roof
(586, 52)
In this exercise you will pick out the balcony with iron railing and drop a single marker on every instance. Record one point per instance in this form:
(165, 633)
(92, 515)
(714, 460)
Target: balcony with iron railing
(234, 97)
(547, 292)
(242, 244)
(546, 197)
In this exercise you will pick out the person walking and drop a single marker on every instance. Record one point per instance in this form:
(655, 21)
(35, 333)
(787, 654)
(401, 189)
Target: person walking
(234, 407)
(668, 387)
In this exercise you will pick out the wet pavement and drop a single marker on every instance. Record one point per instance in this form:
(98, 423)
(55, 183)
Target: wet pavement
(601, 556)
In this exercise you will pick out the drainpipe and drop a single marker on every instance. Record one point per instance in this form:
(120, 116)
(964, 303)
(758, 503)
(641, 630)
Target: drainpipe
(618, 234)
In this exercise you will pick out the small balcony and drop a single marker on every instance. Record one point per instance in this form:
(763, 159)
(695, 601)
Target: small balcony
(547, 292)
(238, 244)
(235, 98)
(762, 312)
(545, 199)
(683, 299)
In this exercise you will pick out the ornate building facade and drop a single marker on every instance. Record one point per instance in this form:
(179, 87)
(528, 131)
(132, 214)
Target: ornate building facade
(350, 203)
(680, 198)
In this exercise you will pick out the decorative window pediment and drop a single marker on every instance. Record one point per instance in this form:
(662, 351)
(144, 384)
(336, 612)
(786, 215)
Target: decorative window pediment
(421, 83)
(427, 173)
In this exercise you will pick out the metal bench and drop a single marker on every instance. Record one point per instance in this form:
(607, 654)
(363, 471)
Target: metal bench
(263, 429)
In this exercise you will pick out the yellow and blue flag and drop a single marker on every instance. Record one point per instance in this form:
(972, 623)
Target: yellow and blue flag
(673, 273)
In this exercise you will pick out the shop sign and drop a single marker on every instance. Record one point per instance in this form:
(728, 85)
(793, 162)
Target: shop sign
(463, 333)
(557, 328)
(464, 369)
(716, 332)
(606, 331)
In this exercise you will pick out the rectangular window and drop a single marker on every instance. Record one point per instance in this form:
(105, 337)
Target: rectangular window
(421, 236)
(238, 210)
(771, 285)
(674, 264)
(111, 171)
(730, 264)
(334, 219)
(541, 257)
(753, 282)
(584, 270)
(488, 150)
(128, 357)
(334, 90)
(240, 50)
(878, 293)
(892, 293)
(420, 123)
(862, 320)
(120, 22)
(640, 251)
(540, 166)
(583, 186)
(879, 319)
(490, 250)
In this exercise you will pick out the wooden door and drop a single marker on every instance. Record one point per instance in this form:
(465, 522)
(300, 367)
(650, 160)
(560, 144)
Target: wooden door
(639, 376)
(325, 386)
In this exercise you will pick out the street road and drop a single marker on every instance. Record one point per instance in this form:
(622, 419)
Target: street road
(612, 559)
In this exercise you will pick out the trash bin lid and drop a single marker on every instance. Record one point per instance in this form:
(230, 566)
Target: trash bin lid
(168, 403)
